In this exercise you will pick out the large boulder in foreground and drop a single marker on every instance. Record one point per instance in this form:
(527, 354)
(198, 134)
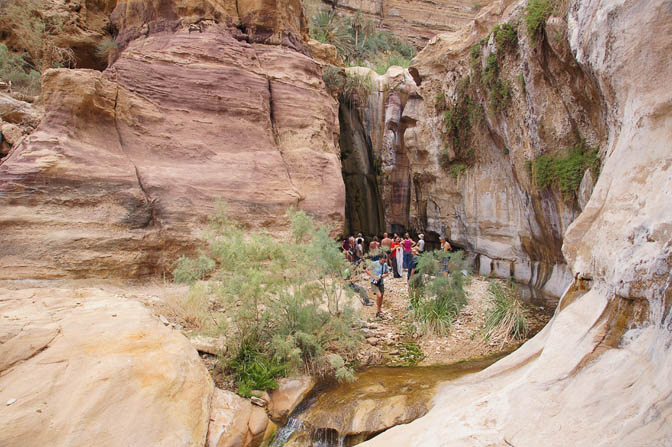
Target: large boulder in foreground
(127, 165)
(82, 368)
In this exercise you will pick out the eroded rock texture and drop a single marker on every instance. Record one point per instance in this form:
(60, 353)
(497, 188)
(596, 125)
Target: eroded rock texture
(599, 373)
(478, 190)
(127, 165)
(415, 21)
(82, 368)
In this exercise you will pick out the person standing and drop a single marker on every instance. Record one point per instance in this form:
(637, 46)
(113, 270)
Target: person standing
(386, 242)
(374, 245)
(380, 272)
(407, 245)
(421, 243)
(400, 257)
(396, 270)
(445, 248)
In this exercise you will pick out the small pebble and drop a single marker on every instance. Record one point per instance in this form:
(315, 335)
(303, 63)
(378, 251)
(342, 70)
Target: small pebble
(10, 402)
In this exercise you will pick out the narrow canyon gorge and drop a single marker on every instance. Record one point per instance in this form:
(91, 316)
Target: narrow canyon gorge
(114, 171)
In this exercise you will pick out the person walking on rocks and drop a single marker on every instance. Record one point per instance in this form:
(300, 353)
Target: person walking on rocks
(380, 272)
(421, 243)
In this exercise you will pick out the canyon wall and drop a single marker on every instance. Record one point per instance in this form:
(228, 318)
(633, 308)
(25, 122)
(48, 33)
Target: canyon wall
(456, 162)
(599, 373)
(126, 166)
(414, 21)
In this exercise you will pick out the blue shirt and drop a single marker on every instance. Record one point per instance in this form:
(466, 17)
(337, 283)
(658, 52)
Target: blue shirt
(380, 269)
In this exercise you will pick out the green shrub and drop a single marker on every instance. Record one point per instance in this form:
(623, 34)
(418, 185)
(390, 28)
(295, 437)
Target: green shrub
(357, 86)
(14, 68)
(333, 78)
(439, 298)
(359, 42)
(253, 370)
(506, 36)
(475, 51)
(280, 303)
(387, 60)
(498, 90)
(536, 13)
(507, 316)
(189, 270)
(568, 171)
(457, 169)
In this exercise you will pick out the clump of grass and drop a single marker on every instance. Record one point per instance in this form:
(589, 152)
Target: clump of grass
(438, 298)
(106, 47)
(536, 13)
(387, 60)
(356, 86)
(507, 318)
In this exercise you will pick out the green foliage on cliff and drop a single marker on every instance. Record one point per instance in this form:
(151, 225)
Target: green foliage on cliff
(459, 119)
(438, 298)
(35, 34)
(357, 86)
(281, 304)
(15, 68)
(506, 36)
(536, 13)
(457, 169)
(359, 42)
(566, 172)
(498, 90)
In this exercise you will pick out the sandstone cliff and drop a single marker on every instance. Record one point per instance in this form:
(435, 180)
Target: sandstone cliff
(455, 161)
(415, 21)
(127, 164)
(599, 373)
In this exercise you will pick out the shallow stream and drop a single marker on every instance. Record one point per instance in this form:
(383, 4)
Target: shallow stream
(345, 414)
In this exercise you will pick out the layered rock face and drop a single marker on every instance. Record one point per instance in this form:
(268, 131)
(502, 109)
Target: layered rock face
(415, 21)
(479, 191)
(82, 368)
(126, 166)
(599, 373)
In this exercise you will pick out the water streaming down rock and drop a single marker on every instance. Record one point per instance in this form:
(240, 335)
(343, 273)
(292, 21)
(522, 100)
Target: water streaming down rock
(338, 415)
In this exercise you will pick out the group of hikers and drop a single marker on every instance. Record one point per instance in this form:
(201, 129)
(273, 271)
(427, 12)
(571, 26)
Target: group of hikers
(389, 255)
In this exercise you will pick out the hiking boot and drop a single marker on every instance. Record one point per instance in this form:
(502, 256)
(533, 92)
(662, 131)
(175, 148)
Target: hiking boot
(379, 315)
(369, 303)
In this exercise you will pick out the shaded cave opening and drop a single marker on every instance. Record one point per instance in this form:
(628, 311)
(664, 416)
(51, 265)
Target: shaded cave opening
(362, 174)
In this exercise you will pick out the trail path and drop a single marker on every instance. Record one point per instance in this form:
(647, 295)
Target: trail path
(388, 338)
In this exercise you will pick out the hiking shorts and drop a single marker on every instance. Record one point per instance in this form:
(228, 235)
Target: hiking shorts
(380, 287)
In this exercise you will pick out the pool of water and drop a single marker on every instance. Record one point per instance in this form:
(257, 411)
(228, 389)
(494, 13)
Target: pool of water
(345, 414)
